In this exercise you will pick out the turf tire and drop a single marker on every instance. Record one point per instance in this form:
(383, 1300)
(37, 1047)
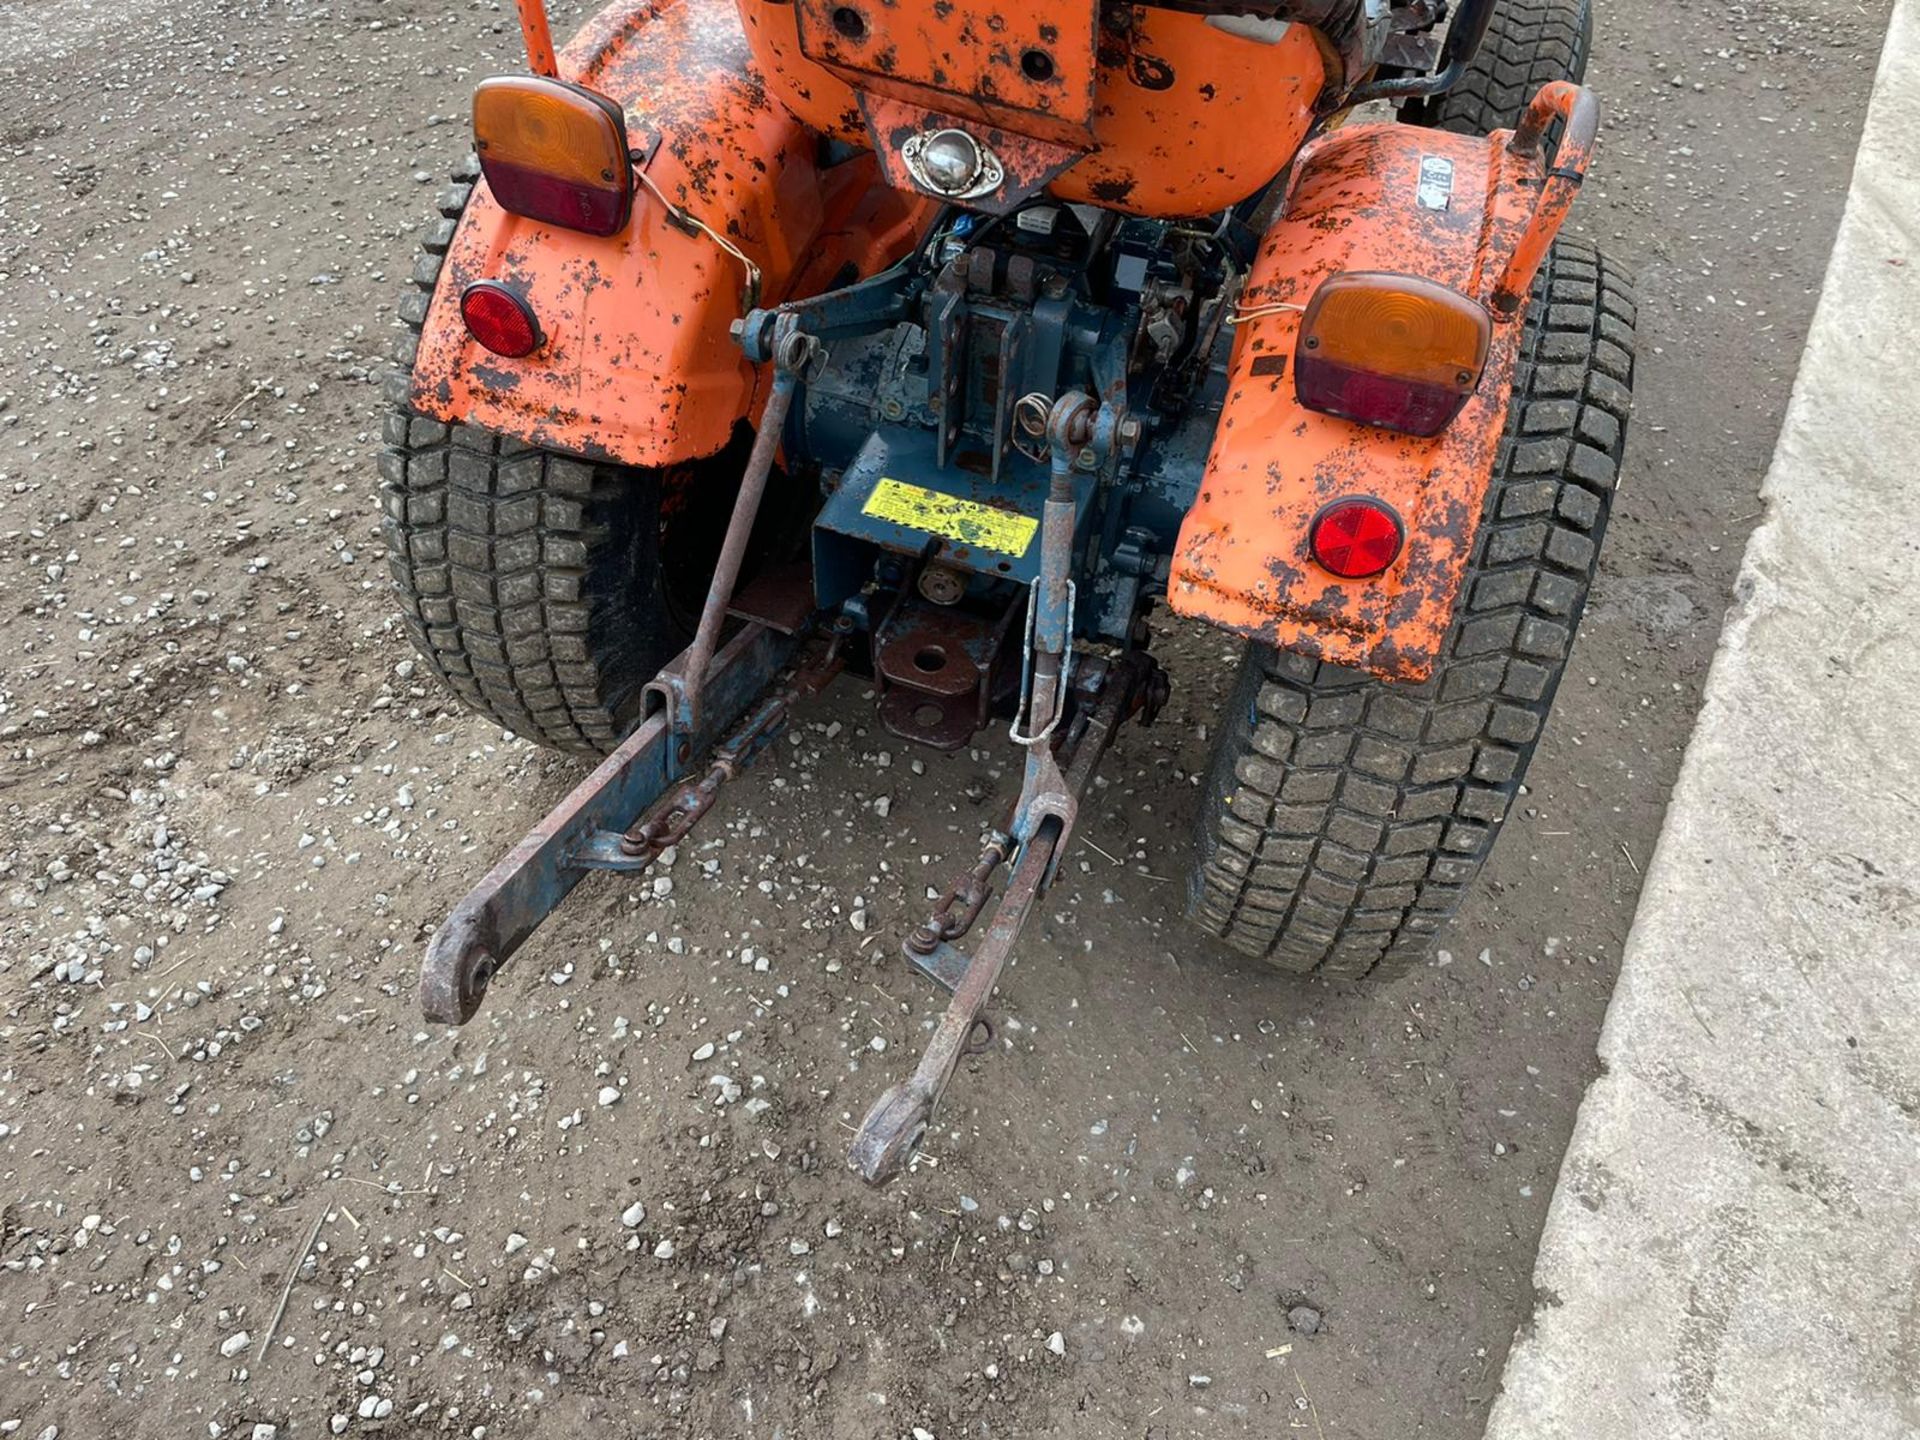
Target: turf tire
(1528, 43)
(1344, 817)
(543, 589)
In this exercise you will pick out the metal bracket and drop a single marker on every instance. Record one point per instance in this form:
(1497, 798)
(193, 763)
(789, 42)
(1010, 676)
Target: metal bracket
(601, 851)
(945, 964)
(1043, 795)
(862, 308)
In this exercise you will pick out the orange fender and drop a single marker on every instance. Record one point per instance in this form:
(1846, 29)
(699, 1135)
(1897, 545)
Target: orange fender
(638, 367)
(1242, 560)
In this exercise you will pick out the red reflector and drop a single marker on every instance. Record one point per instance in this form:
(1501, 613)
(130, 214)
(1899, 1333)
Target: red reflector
(499, 319)
(1355, 539)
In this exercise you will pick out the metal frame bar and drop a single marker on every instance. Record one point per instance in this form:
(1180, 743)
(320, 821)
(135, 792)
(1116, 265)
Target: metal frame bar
(1463, 42)
(539, 39)
(1565, 169)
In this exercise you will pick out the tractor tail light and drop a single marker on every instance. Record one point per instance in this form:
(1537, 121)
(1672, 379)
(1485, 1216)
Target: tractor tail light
(1356, 539)
(1390, 350)
(554, 151)
(499, 319)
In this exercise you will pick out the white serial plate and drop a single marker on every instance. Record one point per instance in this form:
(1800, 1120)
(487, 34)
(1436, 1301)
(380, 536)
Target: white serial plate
(1436, 182)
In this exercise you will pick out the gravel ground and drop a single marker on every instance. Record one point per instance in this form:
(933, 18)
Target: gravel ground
(1182, 1198)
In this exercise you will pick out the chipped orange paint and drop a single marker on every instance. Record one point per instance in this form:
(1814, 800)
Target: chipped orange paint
(1242, 560)
(1185, 119)
(638, 366)
(537, 35)
(1028, 67)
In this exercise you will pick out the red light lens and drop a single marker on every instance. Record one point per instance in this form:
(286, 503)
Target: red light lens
(593, 209)
(1384, 400)
(499, 319)
(554, 151)
(1356, 539)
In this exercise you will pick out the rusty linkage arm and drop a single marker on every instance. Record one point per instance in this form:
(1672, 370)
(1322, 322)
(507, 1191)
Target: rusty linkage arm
(1043, 816)
(1068, 424)
(791, 352)
(1075, 426)
(894, 1126)
(641, 798)
(669, 820)
(584, 831)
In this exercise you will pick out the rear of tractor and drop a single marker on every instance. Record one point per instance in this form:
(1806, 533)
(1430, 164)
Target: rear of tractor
(940, 343)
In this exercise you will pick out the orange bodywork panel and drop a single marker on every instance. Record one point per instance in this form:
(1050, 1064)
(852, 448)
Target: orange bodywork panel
(1182, 119)
(638, 366)
(1030, 66)
(1473, 214)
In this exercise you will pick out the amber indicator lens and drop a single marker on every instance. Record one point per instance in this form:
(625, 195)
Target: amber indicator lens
(1356, 539)
(499, 319)
(555, 152)
(1390, 350)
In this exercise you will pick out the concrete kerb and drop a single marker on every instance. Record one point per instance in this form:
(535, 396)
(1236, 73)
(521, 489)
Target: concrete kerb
(1733, 1247)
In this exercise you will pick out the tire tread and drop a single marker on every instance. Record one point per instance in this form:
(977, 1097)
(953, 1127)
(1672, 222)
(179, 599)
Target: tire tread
(1344, 817)
(489, 543)
(1528, 44)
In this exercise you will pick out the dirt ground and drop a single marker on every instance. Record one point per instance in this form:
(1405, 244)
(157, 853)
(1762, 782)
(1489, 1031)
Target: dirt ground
(233, 808)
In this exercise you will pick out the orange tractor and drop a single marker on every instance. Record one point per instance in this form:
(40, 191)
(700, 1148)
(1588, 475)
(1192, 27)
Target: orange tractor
(939, 341)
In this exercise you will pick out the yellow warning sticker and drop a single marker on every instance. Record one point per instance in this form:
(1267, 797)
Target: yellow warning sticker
(966, 522)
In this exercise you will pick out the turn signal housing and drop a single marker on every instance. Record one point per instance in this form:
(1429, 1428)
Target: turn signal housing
(1390, 350)
(554, 151)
